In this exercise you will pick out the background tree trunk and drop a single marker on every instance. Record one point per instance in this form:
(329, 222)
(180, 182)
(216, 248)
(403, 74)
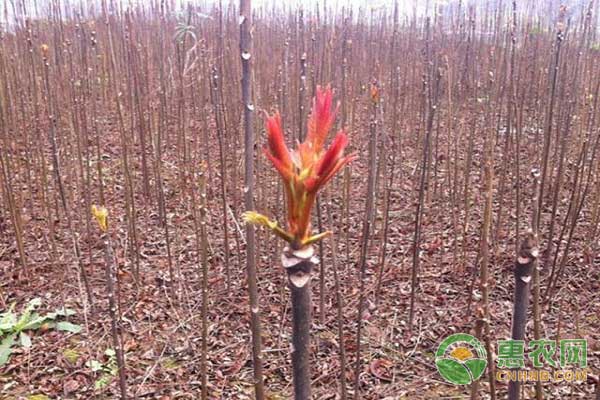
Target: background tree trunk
(246, 54)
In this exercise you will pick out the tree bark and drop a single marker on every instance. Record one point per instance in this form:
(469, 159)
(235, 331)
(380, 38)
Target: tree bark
(245, 54)
(299, 265)
(114, 319)
(523, 272)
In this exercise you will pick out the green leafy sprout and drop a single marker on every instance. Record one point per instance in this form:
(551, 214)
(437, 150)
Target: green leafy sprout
(107, 370)
(14, 329)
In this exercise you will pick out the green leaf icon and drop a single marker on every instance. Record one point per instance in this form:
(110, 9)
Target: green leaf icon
(463, 366)
(476, 366)
(453, 371)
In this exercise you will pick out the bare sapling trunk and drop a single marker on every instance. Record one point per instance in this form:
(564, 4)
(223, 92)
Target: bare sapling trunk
(245, 54)
(59, 181)
(429, 107)
(204, 259)
(535, 226)
(14, 212)
(366, 230)
(214, 94)
(112, 309)
(199, 217)
(482, 327)
(525, 266)
(302, 84)
(523, 271)
(340, 308)
(553, 78)
(110, 266)
(299, 265)
(130, 210)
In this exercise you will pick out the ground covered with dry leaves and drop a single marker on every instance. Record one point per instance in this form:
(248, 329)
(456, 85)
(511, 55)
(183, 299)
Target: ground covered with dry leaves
(161, 334)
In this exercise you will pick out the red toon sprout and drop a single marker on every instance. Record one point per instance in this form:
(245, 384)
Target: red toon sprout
(305, 170)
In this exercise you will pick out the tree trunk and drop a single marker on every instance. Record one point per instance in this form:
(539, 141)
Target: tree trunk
(523, 271)
(112, 309)
(299, 265)
(245, 54)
